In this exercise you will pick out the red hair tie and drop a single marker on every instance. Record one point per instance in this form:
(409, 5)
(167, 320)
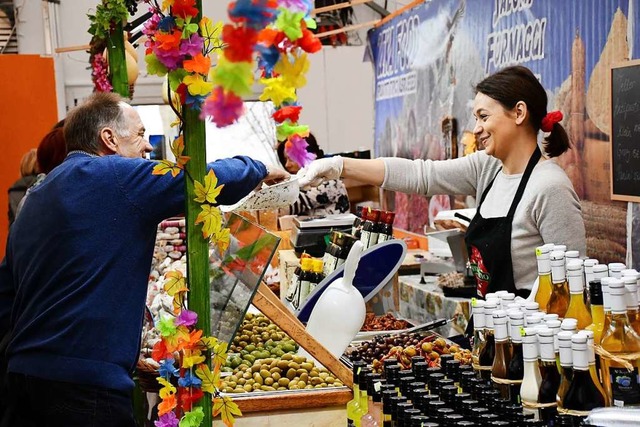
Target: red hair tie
(549, 120)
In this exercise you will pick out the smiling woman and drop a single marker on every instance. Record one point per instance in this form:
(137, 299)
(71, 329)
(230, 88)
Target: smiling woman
(525, 199)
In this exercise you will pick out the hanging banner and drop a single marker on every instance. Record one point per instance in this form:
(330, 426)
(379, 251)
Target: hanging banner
(428, 59)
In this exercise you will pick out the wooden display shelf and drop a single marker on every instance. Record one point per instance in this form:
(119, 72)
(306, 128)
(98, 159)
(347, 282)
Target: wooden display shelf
(295, 399)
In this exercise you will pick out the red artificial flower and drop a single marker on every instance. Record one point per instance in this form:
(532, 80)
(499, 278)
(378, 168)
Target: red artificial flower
(184, 8)
(270, 37)
(291, 112)
(309, 42)
(187, 396)
(240, 42)
(160, 351)
(182, 92)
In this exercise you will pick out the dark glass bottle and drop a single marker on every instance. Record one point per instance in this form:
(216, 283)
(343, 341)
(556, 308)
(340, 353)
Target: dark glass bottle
(433, 407)
(369, 234)
(406, 415)
(447, 394)
(420, 371)
(385, 227)
(357, 223)
(395, 401)
(386, 407)
(434, 382)
(488, 352)
(423, 404)
(515, 371)
(399, 412)
(550, 383)
(416, 387)
(465, 380)
(422, 421)
(582, 395)
(502, 359)
(404, 385)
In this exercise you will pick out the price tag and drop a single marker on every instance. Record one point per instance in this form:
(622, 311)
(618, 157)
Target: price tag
(473, 302)
(376, 386)
(538, 252)
(522, 332)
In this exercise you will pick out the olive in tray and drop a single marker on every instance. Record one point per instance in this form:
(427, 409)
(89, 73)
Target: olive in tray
(405, 346)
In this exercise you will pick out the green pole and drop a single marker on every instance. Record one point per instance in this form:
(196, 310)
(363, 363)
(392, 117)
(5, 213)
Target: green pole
(118, 61)
(197, 246)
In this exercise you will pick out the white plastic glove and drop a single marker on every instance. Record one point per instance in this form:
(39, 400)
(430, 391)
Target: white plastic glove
(320, 170)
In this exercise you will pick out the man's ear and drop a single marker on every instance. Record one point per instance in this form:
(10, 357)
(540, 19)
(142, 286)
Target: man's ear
(108, 137)
(521, 111)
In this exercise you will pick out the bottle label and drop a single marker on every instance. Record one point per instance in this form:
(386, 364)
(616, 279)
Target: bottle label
(291, 290)
(383, 237)
(365, 238)
(624, 386)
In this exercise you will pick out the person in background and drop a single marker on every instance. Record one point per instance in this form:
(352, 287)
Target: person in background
(74, 280)
(28, 174)
(51, 152)
(329, 197)
(525, 198)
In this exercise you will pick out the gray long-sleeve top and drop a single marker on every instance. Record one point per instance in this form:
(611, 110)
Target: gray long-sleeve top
(549, 211)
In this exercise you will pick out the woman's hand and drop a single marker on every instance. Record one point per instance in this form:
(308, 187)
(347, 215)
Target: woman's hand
(321, 170)
(275, 175)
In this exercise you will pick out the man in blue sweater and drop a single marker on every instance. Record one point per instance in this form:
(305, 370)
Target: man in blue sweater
(78, 257)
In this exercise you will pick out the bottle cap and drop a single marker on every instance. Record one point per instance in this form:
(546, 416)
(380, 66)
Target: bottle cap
(590, 345)
(579, 351)
(574, 267)
(559, 248)
(631, 287)
(555, 326)
(533, 320)
(569, 324)
(590, 262)
(489, 307)
(532, 307)
(595, 292)
(617, 267)
(542, 250)
(478, 313)
(629, 272)
(575, 277)
(550, 316)
(516, 322)
(557, 266)
(600, 271)
(500, 324)
(564, 346)
(617, 293)
(572, 254)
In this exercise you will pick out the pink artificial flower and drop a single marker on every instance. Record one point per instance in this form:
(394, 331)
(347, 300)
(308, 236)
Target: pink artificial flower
(296, 150)
(187, 318)
(192, 46)
(167, 420)
(223, 109)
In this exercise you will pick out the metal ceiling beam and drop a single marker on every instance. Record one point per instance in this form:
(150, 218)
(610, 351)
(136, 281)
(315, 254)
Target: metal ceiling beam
(378, 9)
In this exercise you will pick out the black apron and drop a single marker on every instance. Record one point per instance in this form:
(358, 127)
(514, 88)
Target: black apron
(488, 242)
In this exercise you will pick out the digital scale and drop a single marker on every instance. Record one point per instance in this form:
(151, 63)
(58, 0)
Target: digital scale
(310, 233)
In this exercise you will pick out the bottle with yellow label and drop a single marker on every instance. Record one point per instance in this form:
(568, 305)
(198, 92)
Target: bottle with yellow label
(621, 384)
(544, 276)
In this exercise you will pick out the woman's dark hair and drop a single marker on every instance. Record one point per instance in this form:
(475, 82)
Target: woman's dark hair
(52, 150)
(312, 147)
(513, 84)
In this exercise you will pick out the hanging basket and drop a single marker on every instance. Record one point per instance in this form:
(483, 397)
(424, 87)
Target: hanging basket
(147, 375)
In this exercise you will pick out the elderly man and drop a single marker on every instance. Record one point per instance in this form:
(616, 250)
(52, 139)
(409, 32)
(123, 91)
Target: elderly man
(77, 263)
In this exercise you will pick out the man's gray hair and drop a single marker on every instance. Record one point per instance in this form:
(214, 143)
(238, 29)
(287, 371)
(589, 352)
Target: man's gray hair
(83, 124)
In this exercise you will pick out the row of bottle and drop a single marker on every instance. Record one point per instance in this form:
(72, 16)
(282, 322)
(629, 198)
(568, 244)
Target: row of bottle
(500, 351)
(304, 280)
(373, 226)
(564, 278)
(405, 398)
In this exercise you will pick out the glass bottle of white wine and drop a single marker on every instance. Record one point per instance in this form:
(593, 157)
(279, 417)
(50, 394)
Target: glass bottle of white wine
(544, 276)
(559, 299)
(621, 385)
(577, 308)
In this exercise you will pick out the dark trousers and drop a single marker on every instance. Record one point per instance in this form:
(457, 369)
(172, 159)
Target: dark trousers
(35, 402)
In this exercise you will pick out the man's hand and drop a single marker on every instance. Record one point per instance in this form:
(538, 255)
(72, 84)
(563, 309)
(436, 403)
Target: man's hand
(275, 175)
(321, 170)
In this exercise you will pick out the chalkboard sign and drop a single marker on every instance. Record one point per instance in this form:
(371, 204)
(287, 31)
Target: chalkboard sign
(625, 132)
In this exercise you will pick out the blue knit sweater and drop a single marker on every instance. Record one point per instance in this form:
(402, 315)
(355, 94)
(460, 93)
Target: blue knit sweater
(78, 260)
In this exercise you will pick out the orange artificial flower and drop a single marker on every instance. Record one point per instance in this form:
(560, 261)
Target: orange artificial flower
(199, 64)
